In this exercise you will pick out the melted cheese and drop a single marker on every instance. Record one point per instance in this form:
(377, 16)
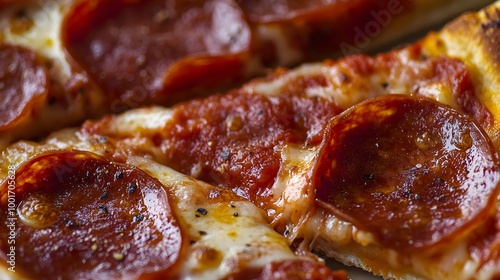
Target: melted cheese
(146, 121)
(38, 27)
(343, 240)
(233, 234)
(42, 34)
(242, 239)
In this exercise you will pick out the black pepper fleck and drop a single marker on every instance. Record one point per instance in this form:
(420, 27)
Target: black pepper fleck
(119, 175)
(131, 188)
(202, 211)
(104, 195)
(370, 176)
(236, 214)
(202, 232)
(103, 209)
(70, 223)
(138, 218)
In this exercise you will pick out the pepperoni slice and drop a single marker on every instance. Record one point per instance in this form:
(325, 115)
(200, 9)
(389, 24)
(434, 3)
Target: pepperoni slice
(149, 51)
(276, 11)
(75, 215)
(23, 84)
(231, 140)
(409, 170)
(318, 28)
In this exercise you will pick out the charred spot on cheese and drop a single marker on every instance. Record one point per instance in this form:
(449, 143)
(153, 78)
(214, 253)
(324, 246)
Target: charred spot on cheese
(198, 142)
(432, 172)
(23, 84)
(148, 51)
(202, 211)
(66, 229)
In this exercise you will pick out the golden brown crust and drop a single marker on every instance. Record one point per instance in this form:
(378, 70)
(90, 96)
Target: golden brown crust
(475, 39)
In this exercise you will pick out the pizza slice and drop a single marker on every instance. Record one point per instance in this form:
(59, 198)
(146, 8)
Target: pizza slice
(82, 59)
(388, 162)
(79, 214)
(405, 186)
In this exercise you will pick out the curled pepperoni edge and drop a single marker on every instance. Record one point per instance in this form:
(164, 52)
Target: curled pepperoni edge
(211, 71)
(18, 174)
(460, 231)
(27, 102)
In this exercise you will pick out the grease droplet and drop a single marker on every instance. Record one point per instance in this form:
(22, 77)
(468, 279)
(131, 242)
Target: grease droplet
(37, 211)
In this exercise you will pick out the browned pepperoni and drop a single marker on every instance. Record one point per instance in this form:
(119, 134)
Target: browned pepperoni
(140, 52)
(412, 172)
(23, 84)
(231, 140)
(319, 28)
(78, 216)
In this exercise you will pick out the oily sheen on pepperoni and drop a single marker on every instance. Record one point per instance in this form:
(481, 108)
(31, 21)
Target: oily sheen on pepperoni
(319, 28)
(231, 140)
(408, 170)
(79, 216)
(147, 51)
(23, 84)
